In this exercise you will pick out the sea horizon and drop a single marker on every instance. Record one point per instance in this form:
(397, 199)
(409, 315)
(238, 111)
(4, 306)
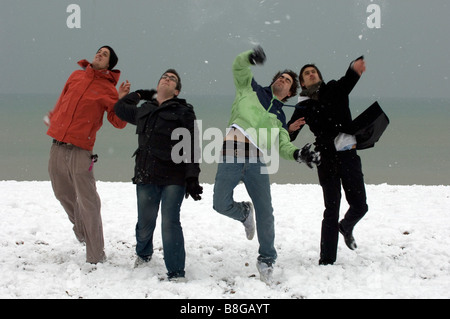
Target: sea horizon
(409, 153)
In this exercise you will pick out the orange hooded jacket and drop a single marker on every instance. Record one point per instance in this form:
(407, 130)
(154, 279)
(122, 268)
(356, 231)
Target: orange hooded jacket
(79, 111)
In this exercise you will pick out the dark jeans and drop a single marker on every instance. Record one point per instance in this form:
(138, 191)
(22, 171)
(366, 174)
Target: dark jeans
(149, 197)
(248, 170)
(340, 168)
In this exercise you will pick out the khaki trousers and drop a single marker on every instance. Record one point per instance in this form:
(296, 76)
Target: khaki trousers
(74, 186)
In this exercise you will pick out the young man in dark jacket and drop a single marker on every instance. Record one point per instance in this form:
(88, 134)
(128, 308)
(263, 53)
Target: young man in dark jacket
(325, 109)
(159, 178)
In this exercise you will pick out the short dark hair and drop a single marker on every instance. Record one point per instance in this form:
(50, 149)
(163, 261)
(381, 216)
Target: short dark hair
(173, 71)
(294, 87)
(300, 77)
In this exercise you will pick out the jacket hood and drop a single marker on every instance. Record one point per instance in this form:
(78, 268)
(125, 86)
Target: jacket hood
(112, 75)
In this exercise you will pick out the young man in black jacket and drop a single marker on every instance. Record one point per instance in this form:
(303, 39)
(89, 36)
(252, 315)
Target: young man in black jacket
(324, 107)
(159, 177)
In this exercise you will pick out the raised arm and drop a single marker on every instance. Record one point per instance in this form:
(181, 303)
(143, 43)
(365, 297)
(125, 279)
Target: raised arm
(126, 108)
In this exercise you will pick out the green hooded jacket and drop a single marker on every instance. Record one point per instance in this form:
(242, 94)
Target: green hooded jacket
(258, 111)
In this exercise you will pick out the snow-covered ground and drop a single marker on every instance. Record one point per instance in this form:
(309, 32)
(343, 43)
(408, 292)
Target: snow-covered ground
(404, 248)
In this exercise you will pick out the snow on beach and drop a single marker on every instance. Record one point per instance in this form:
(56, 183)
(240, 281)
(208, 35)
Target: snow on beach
(404, 248)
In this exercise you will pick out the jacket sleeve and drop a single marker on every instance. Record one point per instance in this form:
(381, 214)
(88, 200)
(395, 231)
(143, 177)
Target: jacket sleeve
(192, 166)
(347, 83)
(242, 72)
(337, 100)
(112, 117)
(287, 149)
(126, 108)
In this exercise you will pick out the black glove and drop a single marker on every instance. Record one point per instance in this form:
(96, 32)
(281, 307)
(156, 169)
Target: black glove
(305, 155)
(193, 188)
(258, 56)
(147, 95)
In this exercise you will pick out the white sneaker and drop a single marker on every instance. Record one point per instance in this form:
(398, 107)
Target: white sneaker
(265, 272)
(249, 223)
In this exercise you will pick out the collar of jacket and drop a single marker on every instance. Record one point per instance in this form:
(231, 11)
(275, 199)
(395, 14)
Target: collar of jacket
(313, 91)
(171, 102)
(112, 76)
(267, 99)
(152, 106)
(276, 105)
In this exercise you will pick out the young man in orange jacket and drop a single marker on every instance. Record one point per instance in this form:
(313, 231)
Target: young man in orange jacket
(73, 124)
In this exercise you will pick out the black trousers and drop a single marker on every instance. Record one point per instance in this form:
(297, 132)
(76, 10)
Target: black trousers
(340, 169)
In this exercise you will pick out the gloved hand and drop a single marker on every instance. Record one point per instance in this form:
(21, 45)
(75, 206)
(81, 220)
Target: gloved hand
(258, 56)
(193, 188)
(147, 95)
(305, 155)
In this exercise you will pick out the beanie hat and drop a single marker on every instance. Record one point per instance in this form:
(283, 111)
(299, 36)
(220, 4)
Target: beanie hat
(113, 59)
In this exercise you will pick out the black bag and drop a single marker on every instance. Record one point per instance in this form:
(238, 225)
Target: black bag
(370, 126)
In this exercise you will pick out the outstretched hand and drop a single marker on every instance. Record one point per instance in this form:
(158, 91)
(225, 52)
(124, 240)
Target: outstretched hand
(258, 56)
(297, 125)
(124, 89)
(359, 66)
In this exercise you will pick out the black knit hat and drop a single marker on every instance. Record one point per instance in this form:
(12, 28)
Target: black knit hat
(113, 59)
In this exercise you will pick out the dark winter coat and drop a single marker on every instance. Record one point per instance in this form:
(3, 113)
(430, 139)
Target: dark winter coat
(155, 125)
(330, 114)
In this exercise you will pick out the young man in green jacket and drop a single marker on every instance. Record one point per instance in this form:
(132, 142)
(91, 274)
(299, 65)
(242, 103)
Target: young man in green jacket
(257, 126)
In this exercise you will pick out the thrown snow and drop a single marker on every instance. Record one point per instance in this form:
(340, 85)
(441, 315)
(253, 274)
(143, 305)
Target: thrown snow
(404, 248)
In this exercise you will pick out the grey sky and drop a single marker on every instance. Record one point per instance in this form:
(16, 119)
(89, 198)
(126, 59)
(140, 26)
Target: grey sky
(407, 57)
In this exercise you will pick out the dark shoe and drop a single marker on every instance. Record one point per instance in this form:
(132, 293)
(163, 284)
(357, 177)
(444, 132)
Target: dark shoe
(181, 280)
(177, 277)
(348, 237)
(323, 262)
(142, 260)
